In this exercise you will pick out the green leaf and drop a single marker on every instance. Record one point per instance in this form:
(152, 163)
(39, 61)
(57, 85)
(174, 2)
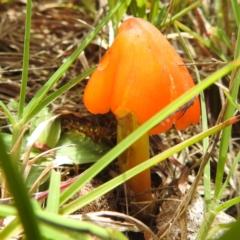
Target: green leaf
(51, 133)
(84, 151)
(34, 174)
(7, 139)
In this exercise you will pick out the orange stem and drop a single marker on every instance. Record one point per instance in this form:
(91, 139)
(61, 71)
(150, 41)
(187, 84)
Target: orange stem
(133, 156)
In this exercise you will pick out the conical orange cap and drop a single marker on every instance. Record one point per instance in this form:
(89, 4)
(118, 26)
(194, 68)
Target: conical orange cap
(141, 73)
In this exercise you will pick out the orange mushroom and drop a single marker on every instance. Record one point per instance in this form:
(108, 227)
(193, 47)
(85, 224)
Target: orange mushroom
(138, 76)
(141, 73)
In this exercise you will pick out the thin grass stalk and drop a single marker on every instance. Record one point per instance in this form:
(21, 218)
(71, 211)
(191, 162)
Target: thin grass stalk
(236, 10)
(230, 174)
(141, 8)
(11, 229)
(17, 127)
(226, 134)
(224, 144)
(182, 13)
(15, 156)
(111, 4)
(228, 204)
(205, 226)
(154, 10)
(25, 59)
(207, 178)
(207, 43)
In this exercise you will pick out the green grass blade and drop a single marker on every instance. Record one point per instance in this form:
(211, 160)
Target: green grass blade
(45, 102)
(233, 167)
(116, 18)
(7, 210)
(133, 8)
(161, 17)
(207, 178)
(11, 229)
(54, 192)
(226, 134)
(79, 226)
(8, 113)
(228, 204)
(20, 194)
(153, 10)
(225, 38)
(231, 101)
(236, 10)
(141, 9)
(182, 13)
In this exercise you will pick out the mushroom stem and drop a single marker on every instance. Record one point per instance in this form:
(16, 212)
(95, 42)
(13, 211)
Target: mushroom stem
(137, 153)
